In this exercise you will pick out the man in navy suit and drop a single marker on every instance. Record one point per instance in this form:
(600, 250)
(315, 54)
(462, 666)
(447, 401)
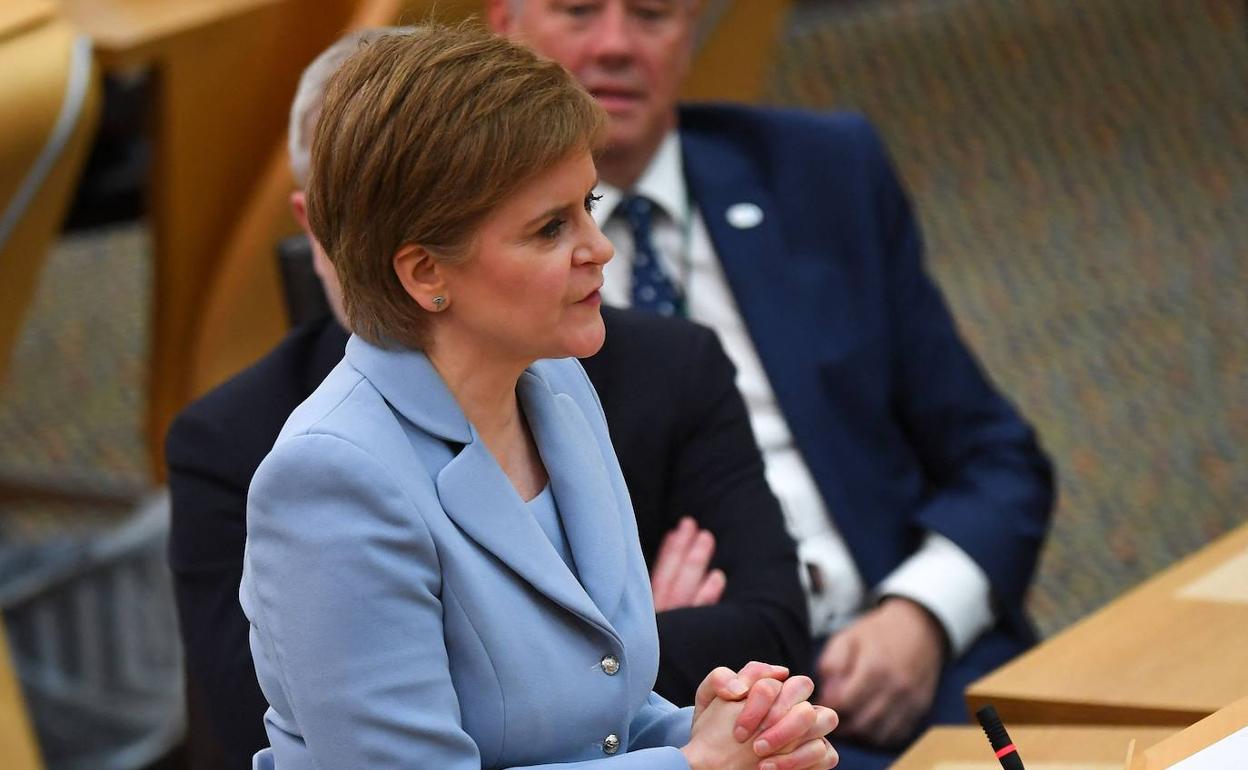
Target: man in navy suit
(724, 571)
(918, 496)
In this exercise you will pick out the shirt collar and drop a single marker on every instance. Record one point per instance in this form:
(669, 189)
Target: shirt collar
(663, 182)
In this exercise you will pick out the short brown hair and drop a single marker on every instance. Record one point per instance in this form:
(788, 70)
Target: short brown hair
(421, 135)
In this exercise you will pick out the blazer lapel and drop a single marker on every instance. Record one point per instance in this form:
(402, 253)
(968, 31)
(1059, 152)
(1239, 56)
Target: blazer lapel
(752, 257)
(474, 491)
(579, 479)
(479, 498)
(773, 286)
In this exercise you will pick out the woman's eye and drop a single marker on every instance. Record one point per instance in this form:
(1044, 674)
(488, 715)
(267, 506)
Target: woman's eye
(591, 201)
(552, 228)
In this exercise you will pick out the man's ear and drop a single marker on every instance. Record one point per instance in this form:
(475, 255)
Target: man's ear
(299, 207)
(500, 15)
(421, 276)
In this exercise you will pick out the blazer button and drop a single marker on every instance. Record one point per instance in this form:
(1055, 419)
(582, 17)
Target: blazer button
(611, 744)
(610, 664)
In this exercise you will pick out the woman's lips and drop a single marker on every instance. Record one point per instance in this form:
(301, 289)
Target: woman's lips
(593, 299)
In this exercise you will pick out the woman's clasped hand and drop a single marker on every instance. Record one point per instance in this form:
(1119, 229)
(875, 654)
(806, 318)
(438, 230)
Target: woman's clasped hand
(759, 718)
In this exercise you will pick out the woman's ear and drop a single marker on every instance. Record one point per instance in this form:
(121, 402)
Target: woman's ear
(421, 277)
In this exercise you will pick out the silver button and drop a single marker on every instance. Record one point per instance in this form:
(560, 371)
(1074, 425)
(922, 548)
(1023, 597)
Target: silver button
(610, 664)
(611, 744)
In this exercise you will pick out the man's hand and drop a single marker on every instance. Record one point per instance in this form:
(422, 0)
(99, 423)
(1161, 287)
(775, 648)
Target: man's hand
(880, 673)
(682, 576)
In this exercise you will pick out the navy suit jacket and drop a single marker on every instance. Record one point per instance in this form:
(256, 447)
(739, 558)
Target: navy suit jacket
(901, 429)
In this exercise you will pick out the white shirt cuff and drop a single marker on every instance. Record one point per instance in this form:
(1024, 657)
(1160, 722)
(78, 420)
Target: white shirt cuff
(948, 584)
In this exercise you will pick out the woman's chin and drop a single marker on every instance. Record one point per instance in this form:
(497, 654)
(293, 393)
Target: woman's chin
(587, 340)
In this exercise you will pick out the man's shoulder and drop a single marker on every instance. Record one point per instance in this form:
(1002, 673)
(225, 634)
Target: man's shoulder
(669, 360)
(251, 406)
(635, 337)
(642, 329)
(782, 125)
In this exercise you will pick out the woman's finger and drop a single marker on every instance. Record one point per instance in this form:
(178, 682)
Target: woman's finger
(722, 683)
(794, 691)
(816, 754)
(790, 730)
(757, 705)
(736, 685)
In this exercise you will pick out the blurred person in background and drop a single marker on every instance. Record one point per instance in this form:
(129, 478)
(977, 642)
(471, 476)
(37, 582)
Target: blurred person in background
(724, 571)
(918, 496)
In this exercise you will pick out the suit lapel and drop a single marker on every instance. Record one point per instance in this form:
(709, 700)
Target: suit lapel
(476, 494)
(478, 497)
(753, 258)
(581, 485)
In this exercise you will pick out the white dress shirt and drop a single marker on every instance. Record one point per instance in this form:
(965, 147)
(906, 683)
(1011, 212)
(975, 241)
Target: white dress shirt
(939, 576)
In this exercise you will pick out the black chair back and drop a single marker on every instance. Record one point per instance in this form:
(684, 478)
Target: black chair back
(305, 297)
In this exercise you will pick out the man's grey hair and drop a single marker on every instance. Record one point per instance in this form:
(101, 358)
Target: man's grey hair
(311, 93)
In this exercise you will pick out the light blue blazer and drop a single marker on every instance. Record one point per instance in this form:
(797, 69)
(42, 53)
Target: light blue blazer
(408, 612)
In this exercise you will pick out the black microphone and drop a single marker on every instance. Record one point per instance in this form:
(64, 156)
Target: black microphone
(1007, 753)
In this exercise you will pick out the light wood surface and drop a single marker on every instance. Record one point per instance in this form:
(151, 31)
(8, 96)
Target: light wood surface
(1170, 652)
(244, 314)
(131, 33)
(734, 59)
(224, 76)
(1040, 747)
(18, 750)
(18, 15)
(1208, 731)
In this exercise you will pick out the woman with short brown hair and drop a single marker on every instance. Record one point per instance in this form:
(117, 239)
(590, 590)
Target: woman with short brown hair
(442, 567)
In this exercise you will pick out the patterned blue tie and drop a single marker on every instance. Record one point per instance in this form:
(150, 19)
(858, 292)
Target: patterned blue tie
(653, 290)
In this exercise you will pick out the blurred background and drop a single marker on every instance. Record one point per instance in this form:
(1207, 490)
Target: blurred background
(1079, 167)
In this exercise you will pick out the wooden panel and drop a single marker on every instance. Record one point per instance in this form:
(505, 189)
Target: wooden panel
(1072, 748)
(244, 315)
(130, 33)
(1161, 654)
(1194, 739)
(19, 15)
(225, 73)
(18, 750)
(733, 62)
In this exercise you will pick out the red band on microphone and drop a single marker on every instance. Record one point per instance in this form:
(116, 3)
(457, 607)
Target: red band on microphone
(1006, 750)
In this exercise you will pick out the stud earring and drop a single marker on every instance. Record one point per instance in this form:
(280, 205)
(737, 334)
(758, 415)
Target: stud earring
(439, 302)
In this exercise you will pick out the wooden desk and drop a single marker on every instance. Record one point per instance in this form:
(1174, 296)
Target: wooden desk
(1042, 748)
(1213, 729)
(224, 76)
(18, 750)
(1169, 652)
